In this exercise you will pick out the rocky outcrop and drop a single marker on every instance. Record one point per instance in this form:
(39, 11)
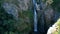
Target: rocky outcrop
(11, 9)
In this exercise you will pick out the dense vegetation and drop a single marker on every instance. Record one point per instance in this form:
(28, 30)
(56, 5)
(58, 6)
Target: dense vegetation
(6, 21)
(24, 24)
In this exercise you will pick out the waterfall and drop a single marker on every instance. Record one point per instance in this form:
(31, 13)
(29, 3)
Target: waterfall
(35, 21)
(35, 16)
(41, 28)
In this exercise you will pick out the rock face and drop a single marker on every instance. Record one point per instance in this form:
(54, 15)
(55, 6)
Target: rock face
(11, 9)
(22, 11)
(23, 4)
(13, 6)
(49, 15)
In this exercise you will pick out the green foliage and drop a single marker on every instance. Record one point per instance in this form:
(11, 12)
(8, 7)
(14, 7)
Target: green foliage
(6, 21)
(56, 5)
(49, 2)
(25, 21)
(57, 27)
(10, 26)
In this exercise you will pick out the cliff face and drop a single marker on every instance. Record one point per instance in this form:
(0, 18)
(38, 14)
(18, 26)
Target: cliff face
(22, 11)
(22, 4)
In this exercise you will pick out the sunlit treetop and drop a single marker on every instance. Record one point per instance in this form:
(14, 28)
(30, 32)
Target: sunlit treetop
(55, 29)
(58, 22)
(49, 2)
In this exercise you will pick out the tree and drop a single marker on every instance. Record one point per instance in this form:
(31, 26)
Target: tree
(55, 29)
(6, 21)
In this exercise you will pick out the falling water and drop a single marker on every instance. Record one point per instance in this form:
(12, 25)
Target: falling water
(35, 16)
(35, 21)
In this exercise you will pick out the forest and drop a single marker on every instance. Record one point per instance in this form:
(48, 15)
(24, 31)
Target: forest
(29, 16)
